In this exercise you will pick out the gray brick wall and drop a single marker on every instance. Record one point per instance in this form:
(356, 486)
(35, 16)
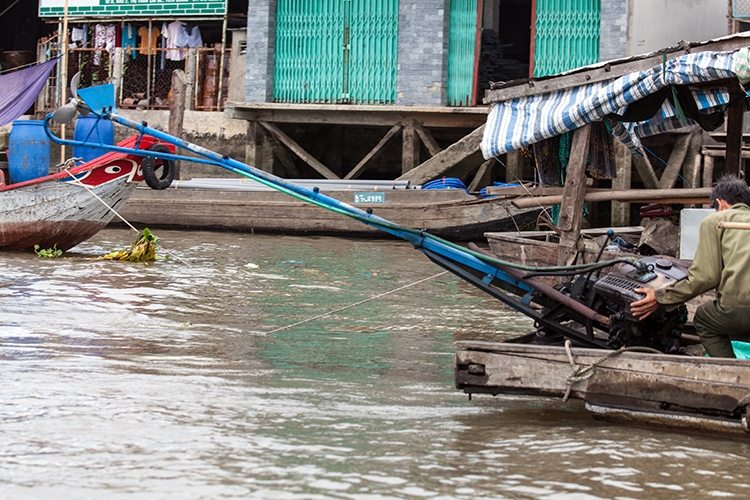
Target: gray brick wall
(422, 52)
(614, 30)
(261, 37)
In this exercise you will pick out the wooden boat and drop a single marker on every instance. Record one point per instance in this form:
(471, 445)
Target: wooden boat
(244, 205)
(62, 211)
(578, 349)
(541, 248)
(681, 392)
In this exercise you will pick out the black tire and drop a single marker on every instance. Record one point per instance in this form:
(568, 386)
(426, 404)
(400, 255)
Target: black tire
(155, 179)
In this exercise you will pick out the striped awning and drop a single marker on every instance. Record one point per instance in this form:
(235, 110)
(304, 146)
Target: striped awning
(522, 121)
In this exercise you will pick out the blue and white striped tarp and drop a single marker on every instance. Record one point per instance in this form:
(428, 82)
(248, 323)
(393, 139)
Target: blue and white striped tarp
(523, 121)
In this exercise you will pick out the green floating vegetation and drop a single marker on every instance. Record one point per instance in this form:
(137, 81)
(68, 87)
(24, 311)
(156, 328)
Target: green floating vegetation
(48, 253)
(143, 249)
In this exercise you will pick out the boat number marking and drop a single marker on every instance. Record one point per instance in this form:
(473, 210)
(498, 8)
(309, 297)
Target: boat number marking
(369, 198)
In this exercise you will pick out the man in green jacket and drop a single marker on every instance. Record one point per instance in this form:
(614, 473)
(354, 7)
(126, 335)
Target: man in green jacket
(722, 261)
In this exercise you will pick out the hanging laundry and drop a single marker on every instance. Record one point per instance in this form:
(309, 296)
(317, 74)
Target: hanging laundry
(176, 37)
(77, 36)
(148, 40)
(601, 153)
(194, 38)
(128, 40)
(547, 160)
(104, 37)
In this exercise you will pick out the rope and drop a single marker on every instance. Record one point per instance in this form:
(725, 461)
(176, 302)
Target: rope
(352, 305)
(582, 372)
(81, 184)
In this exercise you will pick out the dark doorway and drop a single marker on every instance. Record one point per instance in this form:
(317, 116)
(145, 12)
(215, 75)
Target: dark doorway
(506, 42)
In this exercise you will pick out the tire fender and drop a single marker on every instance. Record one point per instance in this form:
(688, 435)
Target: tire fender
(154, 179)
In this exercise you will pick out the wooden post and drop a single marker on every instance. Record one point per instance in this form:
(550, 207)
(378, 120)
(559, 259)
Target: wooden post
(692, 168)
(734, 127)
(676, 159)
(571, 209)
(621, 211)
(177, 110)
(513, 166)
(259, 150)
(427, 139)
(484, 175)
(374, 153)
(192, 75)
(410, 148)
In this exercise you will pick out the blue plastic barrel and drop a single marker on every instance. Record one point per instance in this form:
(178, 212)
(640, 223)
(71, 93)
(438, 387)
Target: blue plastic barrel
(28, 151)
(92, 129)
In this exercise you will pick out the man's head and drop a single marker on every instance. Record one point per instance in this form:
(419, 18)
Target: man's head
(732, 190)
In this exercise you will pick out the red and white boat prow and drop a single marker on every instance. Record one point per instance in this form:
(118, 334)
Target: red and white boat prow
(57, 210)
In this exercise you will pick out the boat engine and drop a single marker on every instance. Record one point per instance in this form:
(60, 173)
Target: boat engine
(612, 293)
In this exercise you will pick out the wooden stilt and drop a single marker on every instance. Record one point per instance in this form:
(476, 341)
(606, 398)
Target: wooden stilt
(374, 153)
(734, 128)
(427, 139)
(621, 211)
(299, 151)
(465, 149)
(483, 176)
(177, 109)
(646, 171)
(571, 207)
(259, 150)
(676, 159)
(409, 148)
(513, 166)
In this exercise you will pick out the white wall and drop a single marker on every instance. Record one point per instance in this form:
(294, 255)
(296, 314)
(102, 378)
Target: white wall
(656, 24)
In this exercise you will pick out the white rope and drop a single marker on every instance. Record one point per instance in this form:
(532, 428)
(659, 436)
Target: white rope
(352, 305)
(582, 372)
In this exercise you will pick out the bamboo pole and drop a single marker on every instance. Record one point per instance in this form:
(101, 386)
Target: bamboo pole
(64, 76)
(632, 195)
(734, 225)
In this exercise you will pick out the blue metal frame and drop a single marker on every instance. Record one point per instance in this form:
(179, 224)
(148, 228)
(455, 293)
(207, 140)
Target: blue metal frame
(419, 239)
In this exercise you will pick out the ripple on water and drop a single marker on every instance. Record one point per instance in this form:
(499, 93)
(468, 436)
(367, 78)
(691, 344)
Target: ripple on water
(124, 380)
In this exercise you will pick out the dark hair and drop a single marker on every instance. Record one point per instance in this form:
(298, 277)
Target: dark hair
(731, 189)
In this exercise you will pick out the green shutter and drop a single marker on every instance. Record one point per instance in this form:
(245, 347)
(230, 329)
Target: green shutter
(336, 51)
(567, 35)
(462, 40)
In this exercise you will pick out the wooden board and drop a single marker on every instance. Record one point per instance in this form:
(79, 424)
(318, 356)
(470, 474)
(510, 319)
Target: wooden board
(540, 248)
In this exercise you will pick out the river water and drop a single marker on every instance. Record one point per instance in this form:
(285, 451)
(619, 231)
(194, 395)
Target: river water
(125, 380)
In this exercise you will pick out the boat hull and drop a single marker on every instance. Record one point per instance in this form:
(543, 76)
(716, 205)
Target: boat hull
(59, 214)
(452, 215)
(68, 207)
(685, 392)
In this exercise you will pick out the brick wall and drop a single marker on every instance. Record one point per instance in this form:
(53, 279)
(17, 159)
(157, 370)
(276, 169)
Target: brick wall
(422, 52)
(261, 37)
(613, 37)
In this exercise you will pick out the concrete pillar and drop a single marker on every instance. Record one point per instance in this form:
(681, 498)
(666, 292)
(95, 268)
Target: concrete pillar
(261, 39)
(422, 52)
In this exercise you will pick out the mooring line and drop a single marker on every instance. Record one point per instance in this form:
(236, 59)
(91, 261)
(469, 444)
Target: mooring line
(355, 304)
(81, 184)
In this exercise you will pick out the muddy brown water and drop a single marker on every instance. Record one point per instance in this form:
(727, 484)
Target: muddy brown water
(128, 381)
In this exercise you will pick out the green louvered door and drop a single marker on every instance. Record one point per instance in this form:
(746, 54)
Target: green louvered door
(567, 35)
(462, 42)
(336, 51)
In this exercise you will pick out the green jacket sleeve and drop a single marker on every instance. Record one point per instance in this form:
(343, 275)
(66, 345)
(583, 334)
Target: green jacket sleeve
(705, 271)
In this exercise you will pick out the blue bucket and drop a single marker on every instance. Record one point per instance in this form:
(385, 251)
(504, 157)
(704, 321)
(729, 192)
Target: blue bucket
(92, 129)
(28, 151)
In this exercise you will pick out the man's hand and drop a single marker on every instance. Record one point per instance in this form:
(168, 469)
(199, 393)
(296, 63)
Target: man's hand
(643, 308)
